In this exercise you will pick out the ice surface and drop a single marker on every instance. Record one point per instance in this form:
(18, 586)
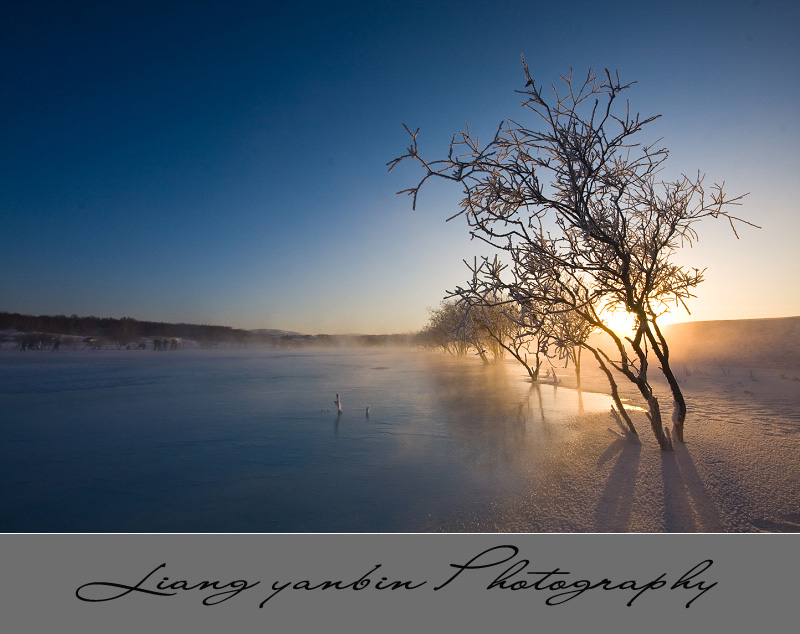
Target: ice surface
(250, 441)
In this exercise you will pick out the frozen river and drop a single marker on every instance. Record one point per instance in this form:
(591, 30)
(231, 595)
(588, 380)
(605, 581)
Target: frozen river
(250, 440)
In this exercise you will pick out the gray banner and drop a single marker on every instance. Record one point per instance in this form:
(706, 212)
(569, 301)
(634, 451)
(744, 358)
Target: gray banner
(397, 583)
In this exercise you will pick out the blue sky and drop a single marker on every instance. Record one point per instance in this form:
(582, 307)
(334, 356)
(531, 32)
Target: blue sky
(225, 163)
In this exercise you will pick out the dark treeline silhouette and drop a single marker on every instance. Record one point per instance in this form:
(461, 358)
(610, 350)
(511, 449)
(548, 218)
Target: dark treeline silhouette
(127, 331)
(122, 330)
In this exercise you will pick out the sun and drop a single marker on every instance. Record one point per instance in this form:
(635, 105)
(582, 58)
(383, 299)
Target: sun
(620, 321)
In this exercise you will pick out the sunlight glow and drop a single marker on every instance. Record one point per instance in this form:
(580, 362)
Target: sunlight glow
(620, 321)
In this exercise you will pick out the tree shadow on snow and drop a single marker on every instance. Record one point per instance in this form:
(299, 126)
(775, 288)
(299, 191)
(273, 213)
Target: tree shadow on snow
(613, 512)
(688, 508)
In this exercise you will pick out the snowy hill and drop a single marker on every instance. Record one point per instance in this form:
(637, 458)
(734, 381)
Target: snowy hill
(759, 343)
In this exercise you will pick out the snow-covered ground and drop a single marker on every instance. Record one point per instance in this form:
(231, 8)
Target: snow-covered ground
(739, 470)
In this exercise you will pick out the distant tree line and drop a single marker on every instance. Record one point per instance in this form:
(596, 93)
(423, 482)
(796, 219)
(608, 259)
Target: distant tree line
(127, 330)
(497, 329)
(122, 330)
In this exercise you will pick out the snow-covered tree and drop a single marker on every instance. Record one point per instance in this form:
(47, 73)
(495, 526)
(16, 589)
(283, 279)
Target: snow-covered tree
(576, 205)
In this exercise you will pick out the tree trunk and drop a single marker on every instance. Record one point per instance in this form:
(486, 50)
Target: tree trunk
(654, 414)
(532, 372)
(662, 436)
(614, 392)
(639, 378)
(679, 408)
(659, 346)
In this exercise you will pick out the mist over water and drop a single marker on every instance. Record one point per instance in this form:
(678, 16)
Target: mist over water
(250, 441)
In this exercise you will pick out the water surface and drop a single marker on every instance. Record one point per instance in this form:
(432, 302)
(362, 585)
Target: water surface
(250, 440)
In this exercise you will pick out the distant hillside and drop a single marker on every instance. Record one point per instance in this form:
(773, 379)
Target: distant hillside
(119, 331)
(760, 343)
(273, 332)
(44, 330)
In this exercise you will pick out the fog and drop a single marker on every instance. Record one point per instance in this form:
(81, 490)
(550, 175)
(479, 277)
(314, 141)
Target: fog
(247, 439)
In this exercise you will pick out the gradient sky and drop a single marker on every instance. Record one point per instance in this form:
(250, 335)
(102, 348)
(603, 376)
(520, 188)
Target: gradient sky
(225, 162)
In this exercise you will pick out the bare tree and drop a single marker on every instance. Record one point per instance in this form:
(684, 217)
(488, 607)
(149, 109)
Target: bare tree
(579, 197)
(512, 326)
(557, 308)
(450, 330)
(441, 328)
(570, 335)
